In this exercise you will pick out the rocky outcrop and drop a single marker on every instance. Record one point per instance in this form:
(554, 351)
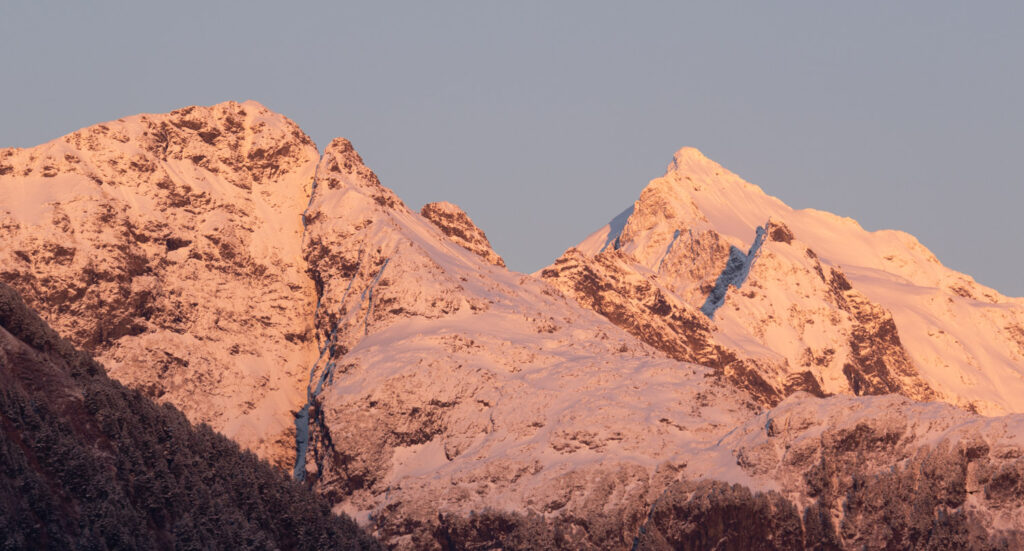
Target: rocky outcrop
(890, 472)
(168, 245)
(607, 285)
(455, 223)
(877, 363)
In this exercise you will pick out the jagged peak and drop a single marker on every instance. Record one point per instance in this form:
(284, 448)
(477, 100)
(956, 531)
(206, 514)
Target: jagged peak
(342, 167)
(243, 144)
(695, 193)
(459, 227)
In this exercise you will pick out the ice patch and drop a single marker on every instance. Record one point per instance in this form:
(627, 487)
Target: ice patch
(302, 417)
(312, 194)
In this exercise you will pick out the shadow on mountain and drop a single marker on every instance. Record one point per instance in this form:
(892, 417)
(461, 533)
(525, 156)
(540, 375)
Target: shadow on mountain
(86, 463)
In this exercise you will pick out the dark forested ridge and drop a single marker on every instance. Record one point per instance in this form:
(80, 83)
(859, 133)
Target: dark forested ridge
(86, 463)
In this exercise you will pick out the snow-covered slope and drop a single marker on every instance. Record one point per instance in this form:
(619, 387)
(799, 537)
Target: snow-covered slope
(449, 384)
(170, 246)
(808, 293)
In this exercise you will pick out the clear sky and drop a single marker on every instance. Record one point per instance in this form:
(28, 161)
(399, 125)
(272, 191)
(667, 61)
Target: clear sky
(545, 119)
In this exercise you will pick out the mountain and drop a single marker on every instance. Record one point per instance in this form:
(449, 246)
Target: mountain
(709, 356)
(170, 247)
(803, 299)
(87, 464)
(445, 377)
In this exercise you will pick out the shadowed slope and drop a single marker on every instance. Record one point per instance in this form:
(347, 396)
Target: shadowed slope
(88, 464)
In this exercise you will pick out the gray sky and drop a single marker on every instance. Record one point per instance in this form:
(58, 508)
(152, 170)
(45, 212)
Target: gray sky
(545, 119)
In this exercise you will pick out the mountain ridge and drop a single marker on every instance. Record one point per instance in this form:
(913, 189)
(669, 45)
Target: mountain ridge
(708, 211)
(389, 360)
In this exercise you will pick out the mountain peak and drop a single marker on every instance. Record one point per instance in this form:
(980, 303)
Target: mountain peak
(342, 167)
(689, 152)
(689, 159)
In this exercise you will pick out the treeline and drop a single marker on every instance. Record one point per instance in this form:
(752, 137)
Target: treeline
(86, 463)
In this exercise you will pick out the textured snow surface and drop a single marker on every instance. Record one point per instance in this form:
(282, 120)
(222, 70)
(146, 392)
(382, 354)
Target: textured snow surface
(170, 246)
(212, 257)
(460, 385)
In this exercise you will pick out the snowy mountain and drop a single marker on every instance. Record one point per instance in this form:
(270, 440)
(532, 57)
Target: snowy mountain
(704, 357)
(170, 247)
(813, 300)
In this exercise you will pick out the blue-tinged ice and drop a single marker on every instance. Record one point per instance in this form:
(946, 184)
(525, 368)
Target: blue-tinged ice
(301, 442)
(302, 418)
(735, 273)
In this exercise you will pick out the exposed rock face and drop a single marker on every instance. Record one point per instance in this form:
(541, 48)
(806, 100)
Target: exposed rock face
(846, 473)
(811, 301)
(455, 224)
(169, 246)
(89, 464)
(608, 285)
(892, 472)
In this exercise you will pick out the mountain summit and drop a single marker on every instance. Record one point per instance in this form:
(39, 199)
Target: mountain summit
(170, 246)
(805, 293)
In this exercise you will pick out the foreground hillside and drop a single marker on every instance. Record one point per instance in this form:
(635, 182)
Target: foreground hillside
(88, 464)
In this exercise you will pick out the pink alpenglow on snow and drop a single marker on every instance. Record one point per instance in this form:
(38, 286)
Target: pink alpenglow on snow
(709, 350)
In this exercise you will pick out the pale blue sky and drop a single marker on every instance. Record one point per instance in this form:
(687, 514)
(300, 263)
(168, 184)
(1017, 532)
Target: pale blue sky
(546, 119)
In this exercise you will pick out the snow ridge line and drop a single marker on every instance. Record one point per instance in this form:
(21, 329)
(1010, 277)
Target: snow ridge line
(736, 270)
